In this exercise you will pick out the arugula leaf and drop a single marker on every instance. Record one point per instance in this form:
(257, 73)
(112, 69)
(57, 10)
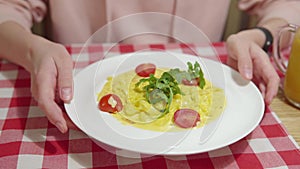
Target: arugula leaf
(160, 91)
(158, 99)
(179, 75)
(196, 72)
(167, 87)
(193, 72)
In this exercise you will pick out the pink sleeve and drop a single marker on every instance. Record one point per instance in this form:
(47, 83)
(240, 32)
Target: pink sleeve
(24, 12)
(266, 9)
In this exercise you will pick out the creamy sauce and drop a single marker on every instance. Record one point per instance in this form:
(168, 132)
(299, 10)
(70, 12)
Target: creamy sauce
(208, 102)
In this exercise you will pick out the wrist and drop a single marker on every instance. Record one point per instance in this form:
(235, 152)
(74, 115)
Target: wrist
(268, 38)
(15, 43)
(254, 35)
(28, 58)
(36, 51)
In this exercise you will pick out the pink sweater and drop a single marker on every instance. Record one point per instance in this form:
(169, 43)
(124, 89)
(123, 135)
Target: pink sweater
(74, 21)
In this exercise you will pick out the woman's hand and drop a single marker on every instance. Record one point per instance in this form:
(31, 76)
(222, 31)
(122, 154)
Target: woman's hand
(51, 73)
(50, 66)
(246, 56)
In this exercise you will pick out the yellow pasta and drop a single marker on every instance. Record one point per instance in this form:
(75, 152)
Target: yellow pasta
(209, 102)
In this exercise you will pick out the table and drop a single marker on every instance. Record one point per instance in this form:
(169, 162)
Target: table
(28, 140)
(288, 114)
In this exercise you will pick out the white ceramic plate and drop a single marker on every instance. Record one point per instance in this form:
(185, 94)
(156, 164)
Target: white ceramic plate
(244, 110)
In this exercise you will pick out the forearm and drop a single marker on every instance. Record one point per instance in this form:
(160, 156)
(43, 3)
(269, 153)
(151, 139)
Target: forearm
(257, 36)
(272, 15)
(274, 25)
(15, 44)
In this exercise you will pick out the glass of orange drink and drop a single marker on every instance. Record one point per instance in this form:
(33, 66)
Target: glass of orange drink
(291, 70)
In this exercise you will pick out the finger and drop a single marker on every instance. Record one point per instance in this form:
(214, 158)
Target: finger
(258, 81)
(262, 88)
(240, 52)
(245, 65)
(70, 124)
(65, 78)
(272, 87)
(268, 74)
(232, 63)
(46, 81)
(269, 91)
(54, 114)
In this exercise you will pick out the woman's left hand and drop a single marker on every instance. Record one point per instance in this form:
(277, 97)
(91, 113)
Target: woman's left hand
(246, 56)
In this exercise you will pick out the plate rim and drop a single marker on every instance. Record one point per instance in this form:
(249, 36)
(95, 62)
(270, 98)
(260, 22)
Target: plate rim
(170, 152)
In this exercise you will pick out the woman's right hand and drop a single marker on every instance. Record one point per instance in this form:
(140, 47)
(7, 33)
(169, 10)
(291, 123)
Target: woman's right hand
(49, 64)
(51, 73)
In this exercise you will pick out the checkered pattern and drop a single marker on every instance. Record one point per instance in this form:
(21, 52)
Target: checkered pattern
(28, 140)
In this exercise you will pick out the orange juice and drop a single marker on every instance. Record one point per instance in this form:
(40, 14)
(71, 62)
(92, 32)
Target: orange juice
(292, 76)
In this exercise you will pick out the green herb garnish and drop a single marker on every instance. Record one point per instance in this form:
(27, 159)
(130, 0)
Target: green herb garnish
(160, 91)
(196, 72)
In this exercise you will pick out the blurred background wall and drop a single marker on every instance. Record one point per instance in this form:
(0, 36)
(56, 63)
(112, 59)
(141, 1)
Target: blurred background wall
(236, 21)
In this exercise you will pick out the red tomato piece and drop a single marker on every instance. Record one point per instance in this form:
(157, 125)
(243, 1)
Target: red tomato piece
(145, 69)
(110, 103)
(186, 118)
(193, 82)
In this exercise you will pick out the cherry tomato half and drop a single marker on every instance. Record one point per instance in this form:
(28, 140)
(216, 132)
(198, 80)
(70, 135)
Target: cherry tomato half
(145, 69)
(193, 82)
(186, 118)
(110, 103)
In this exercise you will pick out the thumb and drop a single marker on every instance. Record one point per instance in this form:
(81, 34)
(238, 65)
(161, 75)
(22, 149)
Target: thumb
(65, 78)
(245, 66)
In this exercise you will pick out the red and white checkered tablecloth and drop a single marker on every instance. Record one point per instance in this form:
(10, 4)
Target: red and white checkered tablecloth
(28, 140)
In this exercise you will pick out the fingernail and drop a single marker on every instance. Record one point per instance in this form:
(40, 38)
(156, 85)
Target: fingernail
(60, 127)
(248, 73)
(66, 93)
